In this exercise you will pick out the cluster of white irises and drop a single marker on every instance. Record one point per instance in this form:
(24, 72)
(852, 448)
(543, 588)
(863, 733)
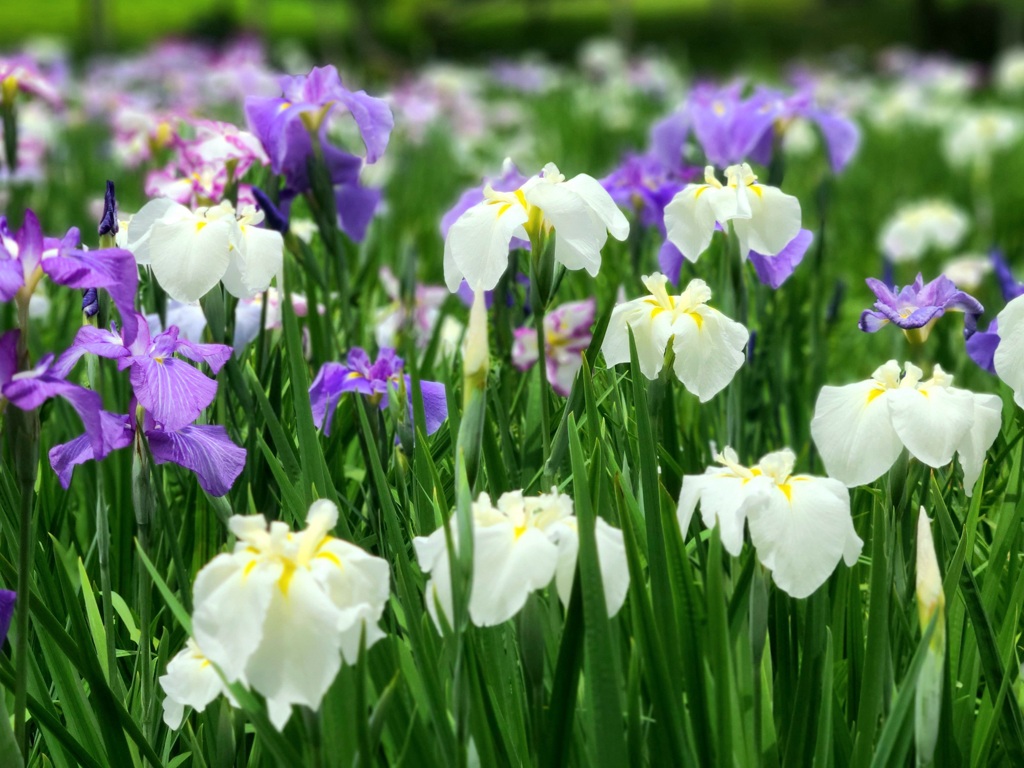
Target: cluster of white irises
(280, 612)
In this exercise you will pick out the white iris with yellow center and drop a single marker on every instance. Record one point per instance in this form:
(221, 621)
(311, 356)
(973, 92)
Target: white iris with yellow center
(708, 345)
(279, 612)
(800, 525)
(764, 218)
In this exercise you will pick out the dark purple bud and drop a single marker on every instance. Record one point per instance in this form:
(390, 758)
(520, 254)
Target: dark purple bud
(274, 218)
(108, 224)
(90, 302)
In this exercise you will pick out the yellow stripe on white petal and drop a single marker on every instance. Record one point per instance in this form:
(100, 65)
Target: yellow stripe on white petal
(709, 350)
(189, 256)
(690, 219)
(477, 244)
(853, 432)
(801, 533)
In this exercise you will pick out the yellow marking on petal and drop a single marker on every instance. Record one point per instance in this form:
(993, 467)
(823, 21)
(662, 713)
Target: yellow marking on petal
(520, 530)
(719, 108)
(504, 207)
(284, 106)
(697, 319)
(700, 190)
(756, 189)
(787, 490)
(285, 579)
(521, 198)
(200, 225)
(159, 360)
(330, 556)
(874, 393)
(205, 663)
(353, 375)
(248, 568)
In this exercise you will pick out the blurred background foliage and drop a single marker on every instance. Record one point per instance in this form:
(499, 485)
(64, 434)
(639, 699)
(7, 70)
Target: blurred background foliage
(710, 34)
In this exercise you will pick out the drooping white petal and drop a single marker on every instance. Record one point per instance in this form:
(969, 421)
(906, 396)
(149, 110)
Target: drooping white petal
(432, 555)
(231, 600)
(690, 220)
(477, 244)
(1009, 356)
(931, 422)
(988, 420)
(189, 256)
(580, 232)
(597, 198)
(358, 585)
(140, 226)
(255, 263)
(774, 221)
(299, 654)
(853, 432)
(506, 568)
(709, 350)
(803, 532)
(725, 500)
(611, 556)
(651, 333)
(191, 681)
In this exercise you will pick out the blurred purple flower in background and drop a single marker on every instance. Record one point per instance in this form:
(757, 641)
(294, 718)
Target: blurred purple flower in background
(566, 336)
(917, 305)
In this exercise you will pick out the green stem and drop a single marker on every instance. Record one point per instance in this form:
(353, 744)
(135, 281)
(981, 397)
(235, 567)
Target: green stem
(545, 403)
(26, 537)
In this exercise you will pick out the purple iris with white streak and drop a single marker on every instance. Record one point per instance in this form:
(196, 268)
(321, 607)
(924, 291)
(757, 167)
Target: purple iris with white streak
(284, 126)
(171, 394)
(372, 379)
(732, 127)
(916, 305)
(174, 392)
(27, 255)
(566, 336)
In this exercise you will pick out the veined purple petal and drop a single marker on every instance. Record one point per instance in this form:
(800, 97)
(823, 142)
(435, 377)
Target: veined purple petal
(204, 449)
(30, 389)
(115, 432)
(30, 243)
(842, 137)
(1008, 284)
(12, 278)
(324, 394)
(435, 403)
(214, 355)
(981, 346)
(373, 118)
(356, 206)
(775, 270)
(91, 340)
(171, 390)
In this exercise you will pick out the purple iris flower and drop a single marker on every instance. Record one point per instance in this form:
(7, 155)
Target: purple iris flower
(645, 184)
(28, 254)
(7, 601)
(281, 123)
(174, 392)
(733, 128)
(1008, 284)
(204, 449)
(30, 389)
(371, 379)
(916, 305)
(981, 345)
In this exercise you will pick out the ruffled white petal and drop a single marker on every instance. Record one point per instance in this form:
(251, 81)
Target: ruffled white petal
(255, 263)
(651, 333)
(140, 226)
(580, 232)
(803, 532)
(709, 350)
(189, 256)
(774, 221)
(1009, 355)
(690, 220)
(191, 681)
(506, 569)
(598, 200)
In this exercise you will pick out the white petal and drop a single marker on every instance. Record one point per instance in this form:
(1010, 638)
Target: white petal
(477, 245)
(580, 232)
(597, 197)
(690, 220)
(140, 226)
(191, 680)
(774, 221)
(801, 538)
(932, 423)
(853, 432)
(506, 569)
(300, 653)
(988, 420)
(190, 256)
(651, 333)
(231, 605)
(725, 501)
(432, 555)
(254, 264)
(1009, 356)
(709, 351)
(611, 553)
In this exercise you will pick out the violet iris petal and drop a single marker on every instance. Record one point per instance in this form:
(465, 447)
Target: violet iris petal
(204, 449)
(775, 270)
(981, 346)
(7, 601)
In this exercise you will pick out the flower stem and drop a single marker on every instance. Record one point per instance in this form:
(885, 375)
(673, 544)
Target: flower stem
(545, 403)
